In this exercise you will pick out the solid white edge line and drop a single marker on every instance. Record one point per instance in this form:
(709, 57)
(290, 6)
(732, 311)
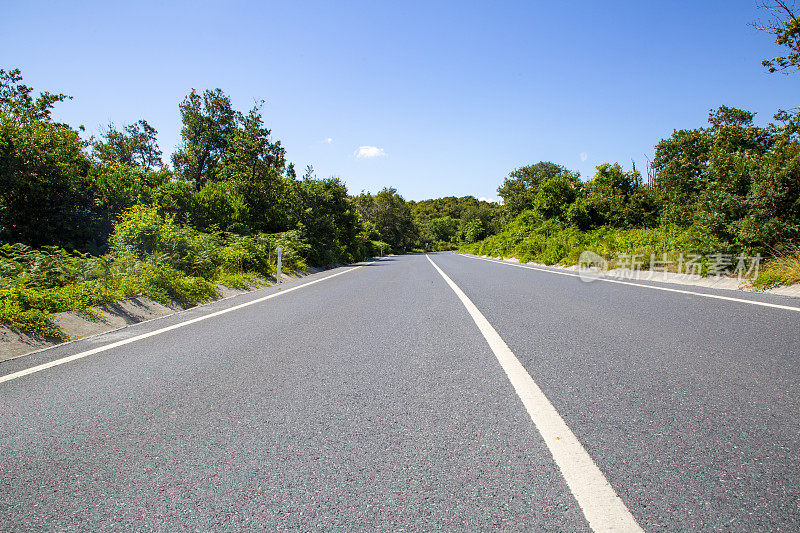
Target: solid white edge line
(620, 282)
(600, 504)
(81, 355)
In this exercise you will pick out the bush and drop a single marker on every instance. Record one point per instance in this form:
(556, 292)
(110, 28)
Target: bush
(532, 239)
(33, 321)
(245, 280)
(150, 255)
(783, 269)
(166, 285)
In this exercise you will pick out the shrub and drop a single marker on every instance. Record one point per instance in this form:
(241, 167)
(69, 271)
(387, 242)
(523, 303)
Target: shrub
(783, 269)
(532, 239)
(245, 280)
(166, 285)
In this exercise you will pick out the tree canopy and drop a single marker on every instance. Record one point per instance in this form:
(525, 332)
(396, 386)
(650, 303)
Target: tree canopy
(518, 190)
(783, 21)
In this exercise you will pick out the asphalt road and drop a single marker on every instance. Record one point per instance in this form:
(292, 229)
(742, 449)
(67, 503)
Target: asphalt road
(372, 401)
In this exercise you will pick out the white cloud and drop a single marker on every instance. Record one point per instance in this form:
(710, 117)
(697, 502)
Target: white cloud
(583, 156)
(329, 140)
(369, 151)
(484, 199)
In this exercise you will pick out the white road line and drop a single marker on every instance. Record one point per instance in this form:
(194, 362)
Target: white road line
(666, 289)
(604, 510)
(123, 342)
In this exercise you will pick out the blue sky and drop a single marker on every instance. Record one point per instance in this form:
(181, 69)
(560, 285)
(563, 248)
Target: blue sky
(446, 97)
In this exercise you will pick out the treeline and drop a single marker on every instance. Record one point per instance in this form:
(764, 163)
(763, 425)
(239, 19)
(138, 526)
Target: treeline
(228, 176)
(736, 184)
(730, 188)
(85, 222)
(443, 222)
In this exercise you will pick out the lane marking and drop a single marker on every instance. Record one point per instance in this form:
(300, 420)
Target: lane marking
(620, 282)
(143, 336)
(600, 504)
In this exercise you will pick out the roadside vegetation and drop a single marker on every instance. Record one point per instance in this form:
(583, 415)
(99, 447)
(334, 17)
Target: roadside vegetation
(85, 222)
(150, 255)
(728, 189)
(782, 269)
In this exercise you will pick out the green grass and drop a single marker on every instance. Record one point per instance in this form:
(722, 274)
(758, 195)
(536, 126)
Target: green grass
(244, 280)
(782, 269)
(30, 308)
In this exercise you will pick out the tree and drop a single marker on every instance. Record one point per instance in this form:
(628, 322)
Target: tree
(390, 215)
(772, 220)
(16, 98)
(249, 154)
(736, 151)
(518, 191)
(208, 121)
(221, 205)
(45, 196)
(679, 165)
(784, 24)
(134, 145)
(257, 166)
(175, 199)
(329, 222)
(471, 231)
(488, 216)
(115, 189)
(453, 207)
(695, 169)
(442, 229)
(556, 194)
(616, 198)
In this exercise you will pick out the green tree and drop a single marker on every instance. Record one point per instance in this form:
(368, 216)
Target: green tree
(471, 231)
(680, 164)
(772, 221)
(115, 189)
(556, 194)
(135, 145)
(17, 99)
(784, 23)
(442, 229)
(617, 198)
(488, 214)
(518, 190)
(249, 154)
(175, 199)
(390, 215)
(221, 206)
(257, 165)
(450, 207)
(45, 195)
(737, 148)
(208, 121)
(329, 222)
(696, 169)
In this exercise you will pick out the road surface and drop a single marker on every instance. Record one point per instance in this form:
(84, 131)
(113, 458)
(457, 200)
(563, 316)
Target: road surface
(420, 392)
